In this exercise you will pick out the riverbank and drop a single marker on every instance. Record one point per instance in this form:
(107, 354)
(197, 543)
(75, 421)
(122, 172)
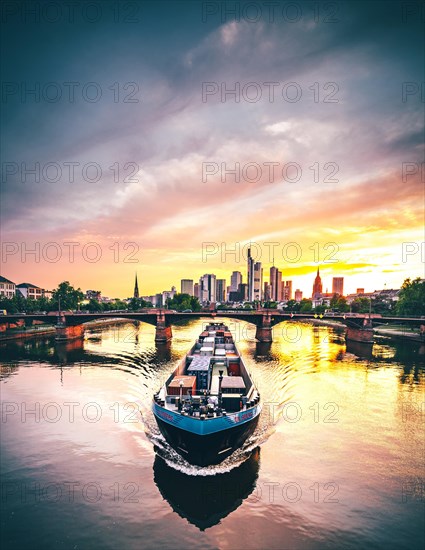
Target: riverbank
(397, 332)
(50, 330)
(402, 333)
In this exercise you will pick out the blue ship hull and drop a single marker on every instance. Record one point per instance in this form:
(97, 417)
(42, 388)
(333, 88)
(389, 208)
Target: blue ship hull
(206, 442)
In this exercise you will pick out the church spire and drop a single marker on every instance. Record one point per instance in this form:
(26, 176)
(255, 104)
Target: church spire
(136, 288)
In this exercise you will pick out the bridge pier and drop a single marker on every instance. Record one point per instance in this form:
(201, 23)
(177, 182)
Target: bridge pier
(163, 331)
(264, 329)
(360, 334)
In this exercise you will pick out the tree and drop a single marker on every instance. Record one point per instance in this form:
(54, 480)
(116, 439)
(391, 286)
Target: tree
(293, 306)
(182, 301)
(360, 305)
(138, 303)
(94, 306)
(381, 305)
(412, 298)
(341, 304)
(306, 306)
(69, 296)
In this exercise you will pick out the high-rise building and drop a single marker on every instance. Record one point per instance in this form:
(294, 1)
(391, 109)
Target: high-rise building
(220, 293)
(250, 273)
(317, 286)
(196, 290)
(279, 284)
(274, 283)
(207, 288)
(266, 291)
(298, 295)
(258, 281)
(136, 289)
(243, 292)
(338, 285)
(187, 286)
(235, 281)
(287, 291)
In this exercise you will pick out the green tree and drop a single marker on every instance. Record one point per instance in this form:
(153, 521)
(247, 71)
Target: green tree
(293, 306)
(44, 304)
(69, 296)
(306, 305)
(334, 301)
(411, 298)
(270, 305)
(94, 306)
(382, 306)
(360, 305)
(341, 304)
(182, 301)
(138, 303)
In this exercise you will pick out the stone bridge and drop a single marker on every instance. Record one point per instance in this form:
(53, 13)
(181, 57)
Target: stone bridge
(70, 326)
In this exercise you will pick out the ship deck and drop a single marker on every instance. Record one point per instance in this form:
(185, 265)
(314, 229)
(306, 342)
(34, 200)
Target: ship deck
(194, 387)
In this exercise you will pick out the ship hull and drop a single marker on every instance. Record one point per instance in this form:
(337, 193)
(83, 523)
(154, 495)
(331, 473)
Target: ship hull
(207, 449)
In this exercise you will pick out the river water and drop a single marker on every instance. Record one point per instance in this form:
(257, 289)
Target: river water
(337, 460)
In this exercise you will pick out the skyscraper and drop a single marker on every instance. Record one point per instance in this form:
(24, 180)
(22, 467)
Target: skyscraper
(298, 295)
(235, 281)
(136, 289)
(207, 288)
(338, 285)
(287, 290)
(317, 286)
(273, 283)
(250, 273)
(258, 281)
(220, 290)
(187, 286)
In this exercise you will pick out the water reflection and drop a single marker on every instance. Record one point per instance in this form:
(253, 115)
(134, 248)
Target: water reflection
(205, 500)
(263, 350)
(363, 350)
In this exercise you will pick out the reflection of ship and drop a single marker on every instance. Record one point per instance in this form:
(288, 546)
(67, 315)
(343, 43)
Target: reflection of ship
(205, 500)
(209, 405)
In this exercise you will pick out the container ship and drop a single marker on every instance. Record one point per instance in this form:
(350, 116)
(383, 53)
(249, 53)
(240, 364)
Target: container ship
(209, 405)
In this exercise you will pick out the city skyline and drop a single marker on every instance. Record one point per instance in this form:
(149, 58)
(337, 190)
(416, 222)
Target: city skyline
(288, 288)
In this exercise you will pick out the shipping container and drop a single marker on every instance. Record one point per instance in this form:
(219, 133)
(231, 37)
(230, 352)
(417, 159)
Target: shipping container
(189, 383)
(233, 384)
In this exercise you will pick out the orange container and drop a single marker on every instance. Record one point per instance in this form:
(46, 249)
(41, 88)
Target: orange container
(189, 383)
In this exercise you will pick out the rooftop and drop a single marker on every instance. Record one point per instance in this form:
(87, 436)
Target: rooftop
(27, 285)
(4, 280)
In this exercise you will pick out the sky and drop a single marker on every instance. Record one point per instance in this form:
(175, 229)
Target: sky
(157, 137)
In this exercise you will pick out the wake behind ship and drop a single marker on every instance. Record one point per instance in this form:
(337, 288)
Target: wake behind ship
(209, 405)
